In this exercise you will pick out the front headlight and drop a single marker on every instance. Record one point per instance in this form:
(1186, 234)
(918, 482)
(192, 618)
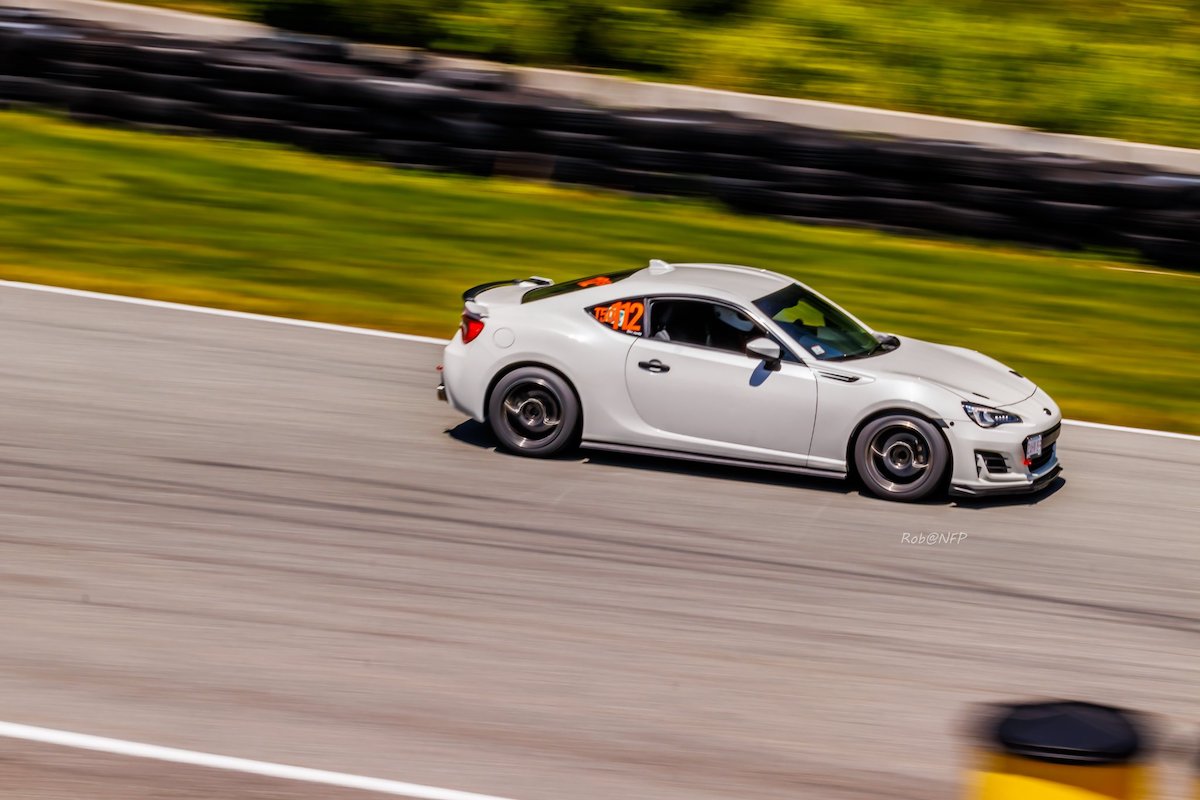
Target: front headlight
(986, 417)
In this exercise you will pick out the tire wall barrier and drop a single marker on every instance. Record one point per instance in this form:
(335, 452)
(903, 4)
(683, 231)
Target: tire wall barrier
(315, 94)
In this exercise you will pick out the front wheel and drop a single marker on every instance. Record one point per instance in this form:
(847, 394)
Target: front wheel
(901, 457)
(534, 412)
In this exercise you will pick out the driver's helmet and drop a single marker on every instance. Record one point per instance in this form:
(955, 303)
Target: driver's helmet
(734, 320)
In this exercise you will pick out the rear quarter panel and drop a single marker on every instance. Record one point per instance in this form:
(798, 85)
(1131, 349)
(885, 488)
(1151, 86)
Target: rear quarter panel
(557, 333)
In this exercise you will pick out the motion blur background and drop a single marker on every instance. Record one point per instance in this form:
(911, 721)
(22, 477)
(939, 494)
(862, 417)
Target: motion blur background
(1101, 67)
(271, 541)
(903, 211)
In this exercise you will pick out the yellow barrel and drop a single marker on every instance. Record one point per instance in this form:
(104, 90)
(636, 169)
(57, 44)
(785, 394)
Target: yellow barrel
(1062, 750)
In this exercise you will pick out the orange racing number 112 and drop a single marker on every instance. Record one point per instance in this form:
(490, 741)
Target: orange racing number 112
(625, 315)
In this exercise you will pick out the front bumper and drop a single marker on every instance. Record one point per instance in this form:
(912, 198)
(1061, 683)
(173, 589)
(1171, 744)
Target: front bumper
(994, 461)
(990, 490)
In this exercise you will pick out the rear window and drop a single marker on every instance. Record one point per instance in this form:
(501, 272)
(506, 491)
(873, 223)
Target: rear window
(542, 292)
(624, 316)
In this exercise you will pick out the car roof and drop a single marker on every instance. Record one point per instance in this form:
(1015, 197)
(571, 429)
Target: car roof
(747, 283)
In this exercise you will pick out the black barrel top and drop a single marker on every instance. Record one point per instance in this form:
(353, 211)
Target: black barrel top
(1068, 732)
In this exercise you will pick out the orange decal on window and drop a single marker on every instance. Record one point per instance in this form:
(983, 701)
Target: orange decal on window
(625, 316)
(634, 323)
(600, 280)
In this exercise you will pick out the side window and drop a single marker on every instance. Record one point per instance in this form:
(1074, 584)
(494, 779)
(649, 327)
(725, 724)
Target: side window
(702, 323)
(625, 316)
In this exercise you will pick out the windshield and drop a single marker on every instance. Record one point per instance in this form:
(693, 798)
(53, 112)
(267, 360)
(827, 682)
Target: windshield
(825, 331)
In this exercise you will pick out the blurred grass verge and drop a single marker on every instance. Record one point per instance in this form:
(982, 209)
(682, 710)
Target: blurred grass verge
(1102, 67)
(263, 228)
(237, 9)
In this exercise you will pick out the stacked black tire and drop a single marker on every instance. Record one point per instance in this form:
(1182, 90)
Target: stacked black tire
(315, 94)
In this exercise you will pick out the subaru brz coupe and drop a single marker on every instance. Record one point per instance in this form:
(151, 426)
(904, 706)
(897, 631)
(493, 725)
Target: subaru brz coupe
(745, 367)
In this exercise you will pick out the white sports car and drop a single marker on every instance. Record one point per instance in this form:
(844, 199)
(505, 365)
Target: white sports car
(746, 367)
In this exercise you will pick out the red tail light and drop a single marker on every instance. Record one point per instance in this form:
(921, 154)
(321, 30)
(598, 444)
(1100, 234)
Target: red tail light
(472, 326)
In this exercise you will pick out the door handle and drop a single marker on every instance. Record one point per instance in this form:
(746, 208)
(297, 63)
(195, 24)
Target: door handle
(654, 366)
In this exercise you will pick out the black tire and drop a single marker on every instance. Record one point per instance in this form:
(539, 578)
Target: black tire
(472, 161)
(407, 126)
(647, 182)
(320, 115)
(729, 165)
(807, 180)
(692, 131)
(509, 109)
(913, 159)
(403, 153)
(988, 169)
(1173, 253)
(1089, 222)
(252, 77)
(483, 80)
(33, 90)
(534, 412)
(471, 134)
(813, 206)
(183, 61)
(742, 195)
(584, 172)
(817, 150)
(653, 159)
(580, 145)
(988, 198)
(1161, 191)
(901, 457)
(299, 45)
(252, 104)
(79, 73)
(404, 97)
(579, 119)
(175, 87)
(1174, 224)
(329, 141)
(29, 48)
(269, 130)
(84, 100)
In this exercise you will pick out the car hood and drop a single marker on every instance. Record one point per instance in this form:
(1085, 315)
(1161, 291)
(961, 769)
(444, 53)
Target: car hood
(970, 375)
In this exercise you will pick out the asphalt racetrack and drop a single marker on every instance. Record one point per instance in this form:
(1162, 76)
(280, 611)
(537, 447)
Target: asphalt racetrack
(273, 542)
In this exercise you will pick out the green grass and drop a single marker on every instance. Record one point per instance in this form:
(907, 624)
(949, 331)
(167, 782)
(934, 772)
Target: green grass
(1130, 70)
(262, 228)
(214, 8)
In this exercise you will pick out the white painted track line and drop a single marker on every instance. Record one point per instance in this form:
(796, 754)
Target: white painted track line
(119, 747)
(325, 326)
(1154, 272)
(217, 312)
(1123, 429)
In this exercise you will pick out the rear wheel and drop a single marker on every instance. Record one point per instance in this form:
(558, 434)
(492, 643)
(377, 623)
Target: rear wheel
(901, 457)
(534, 412)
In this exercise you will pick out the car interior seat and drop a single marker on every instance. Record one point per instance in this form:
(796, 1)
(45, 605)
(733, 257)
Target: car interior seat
(689, 322)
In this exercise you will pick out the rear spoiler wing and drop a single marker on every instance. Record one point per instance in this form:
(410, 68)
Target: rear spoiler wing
(475, 291)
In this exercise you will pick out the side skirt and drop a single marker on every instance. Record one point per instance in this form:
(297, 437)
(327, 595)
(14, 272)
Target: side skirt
(721, 460)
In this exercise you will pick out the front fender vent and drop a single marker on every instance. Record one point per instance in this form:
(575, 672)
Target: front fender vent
(833, 376)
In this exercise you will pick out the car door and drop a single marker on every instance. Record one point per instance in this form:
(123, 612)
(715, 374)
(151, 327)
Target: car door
(689, 377)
